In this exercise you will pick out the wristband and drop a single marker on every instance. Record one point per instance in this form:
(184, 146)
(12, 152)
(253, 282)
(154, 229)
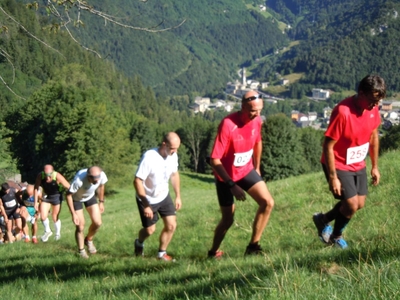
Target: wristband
(230, 183)
(101, 201)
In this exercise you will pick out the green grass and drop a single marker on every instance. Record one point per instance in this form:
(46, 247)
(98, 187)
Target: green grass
(296, 264)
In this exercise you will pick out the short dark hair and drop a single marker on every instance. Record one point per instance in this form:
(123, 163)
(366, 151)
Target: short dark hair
(373, 84)
(5, 186)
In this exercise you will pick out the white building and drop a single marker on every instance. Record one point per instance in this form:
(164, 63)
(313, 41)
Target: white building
(320, 94)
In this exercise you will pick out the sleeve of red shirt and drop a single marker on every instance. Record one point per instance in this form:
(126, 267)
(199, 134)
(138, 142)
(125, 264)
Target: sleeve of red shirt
(336, 124)
(221, 140)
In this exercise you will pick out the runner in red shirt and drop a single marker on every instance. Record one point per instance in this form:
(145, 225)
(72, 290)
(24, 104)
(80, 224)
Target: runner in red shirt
(351, 135)
(235, 159)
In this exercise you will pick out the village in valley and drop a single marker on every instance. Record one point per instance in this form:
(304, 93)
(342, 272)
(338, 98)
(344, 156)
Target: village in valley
(389, 109)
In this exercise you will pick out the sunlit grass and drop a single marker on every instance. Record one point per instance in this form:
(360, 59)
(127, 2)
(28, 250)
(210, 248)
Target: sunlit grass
(296, 265)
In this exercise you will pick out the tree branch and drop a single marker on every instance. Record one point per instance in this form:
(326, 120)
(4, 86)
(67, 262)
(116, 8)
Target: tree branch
(28, 32)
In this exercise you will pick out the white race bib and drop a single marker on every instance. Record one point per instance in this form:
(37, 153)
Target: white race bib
(11, 203)
(241, 159)
(356, 154)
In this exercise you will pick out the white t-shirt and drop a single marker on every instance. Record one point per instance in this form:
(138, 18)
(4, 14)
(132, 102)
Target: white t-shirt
(155, 171)
(81, 189)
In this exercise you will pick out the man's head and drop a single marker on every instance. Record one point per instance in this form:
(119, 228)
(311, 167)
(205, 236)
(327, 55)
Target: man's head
(48, 170)
(30, 190)
(252, 104)
(5, 187)
(170, 144)
(93, 174)
(371, 90)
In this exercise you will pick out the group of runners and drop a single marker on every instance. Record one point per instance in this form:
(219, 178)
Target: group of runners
(20, 206)
(235, 158)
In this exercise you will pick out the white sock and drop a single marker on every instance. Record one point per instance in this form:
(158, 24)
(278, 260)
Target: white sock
(57, 227)
(161, 253)
(46, 225)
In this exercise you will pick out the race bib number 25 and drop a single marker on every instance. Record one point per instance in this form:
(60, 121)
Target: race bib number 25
(241, 159)
(356, 154)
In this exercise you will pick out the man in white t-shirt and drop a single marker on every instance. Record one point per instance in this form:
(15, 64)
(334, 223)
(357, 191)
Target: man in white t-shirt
(157, 166)
(83, 192)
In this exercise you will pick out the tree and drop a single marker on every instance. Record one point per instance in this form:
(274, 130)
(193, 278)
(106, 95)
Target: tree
(391, 140)
(70, 123)
(195, 135)
(282, 155)
(7, 164)
(311, 141)
(62, 15)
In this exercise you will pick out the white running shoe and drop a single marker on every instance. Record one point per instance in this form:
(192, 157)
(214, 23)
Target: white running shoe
(92, 249)
(57, 237)
(83, 254)
(45, 236)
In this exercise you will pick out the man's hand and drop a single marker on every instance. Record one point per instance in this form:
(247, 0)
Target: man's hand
(75, 219)
(238, 192)
(376, 176)
(148, 212)
(178, 203)
(101, 206)
(335, 186)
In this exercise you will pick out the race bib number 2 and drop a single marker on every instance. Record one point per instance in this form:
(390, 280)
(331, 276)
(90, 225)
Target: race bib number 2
(241, 159)
(356, 154)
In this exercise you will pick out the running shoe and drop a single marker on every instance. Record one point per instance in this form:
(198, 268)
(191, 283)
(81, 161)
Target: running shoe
(165, 257)
(92, 249)
(83, 254)
(324, 230)
(45, 236)
(216, 255)
(253, 250)
(34, 240)
(339, 242)
(57, 237)
(138, 248)
(27, 240)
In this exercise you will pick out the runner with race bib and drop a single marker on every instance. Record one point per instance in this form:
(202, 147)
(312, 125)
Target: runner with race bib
(352, 134)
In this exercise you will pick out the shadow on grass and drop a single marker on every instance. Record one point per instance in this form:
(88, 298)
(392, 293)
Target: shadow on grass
(201, 177)
(208, 278)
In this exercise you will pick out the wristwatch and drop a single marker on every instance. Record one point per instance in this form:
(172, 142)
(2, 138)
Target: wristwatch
(230, 183)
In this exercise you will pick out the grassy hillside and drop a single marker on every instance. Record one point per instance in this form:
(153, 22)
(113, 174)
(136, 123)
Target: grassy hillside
(296, 264)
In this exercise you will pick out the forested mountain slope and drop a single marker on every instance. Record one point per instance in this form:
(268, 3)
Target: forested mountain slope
(340, 42)
(200, 56)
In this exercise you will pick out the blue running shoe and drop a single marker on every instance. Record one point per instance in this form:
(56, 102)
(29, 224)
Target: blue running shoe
(339, 242)
(324, 230)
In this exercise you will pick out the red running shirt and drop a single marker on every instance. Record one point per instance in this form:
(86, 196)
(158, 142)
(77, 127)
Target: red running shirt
(234, 145)
(352, 134)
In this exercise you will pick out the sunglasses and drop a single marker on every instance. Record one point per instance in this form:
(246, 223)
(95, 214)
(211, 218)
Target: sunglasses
(94, 177)
(251, 98)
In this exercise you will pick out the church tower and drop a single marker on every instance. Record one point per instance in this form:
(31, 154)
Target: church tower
(244, 76)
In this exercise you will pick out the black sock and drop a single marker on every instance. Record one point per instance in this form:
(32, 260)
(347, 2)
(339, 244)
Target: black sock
(340, 224)
(253, 245)
(333, 213)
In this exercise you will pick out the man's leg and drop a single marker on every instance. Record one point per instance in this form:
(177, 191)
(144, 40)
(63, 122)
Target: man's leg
(95, 216)
(79, 236)
(346, 212)
(260, 193)
(44, 212)
(223, 226)
(167, 232)
(10, 236)
(145, 232)
(57, 222)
